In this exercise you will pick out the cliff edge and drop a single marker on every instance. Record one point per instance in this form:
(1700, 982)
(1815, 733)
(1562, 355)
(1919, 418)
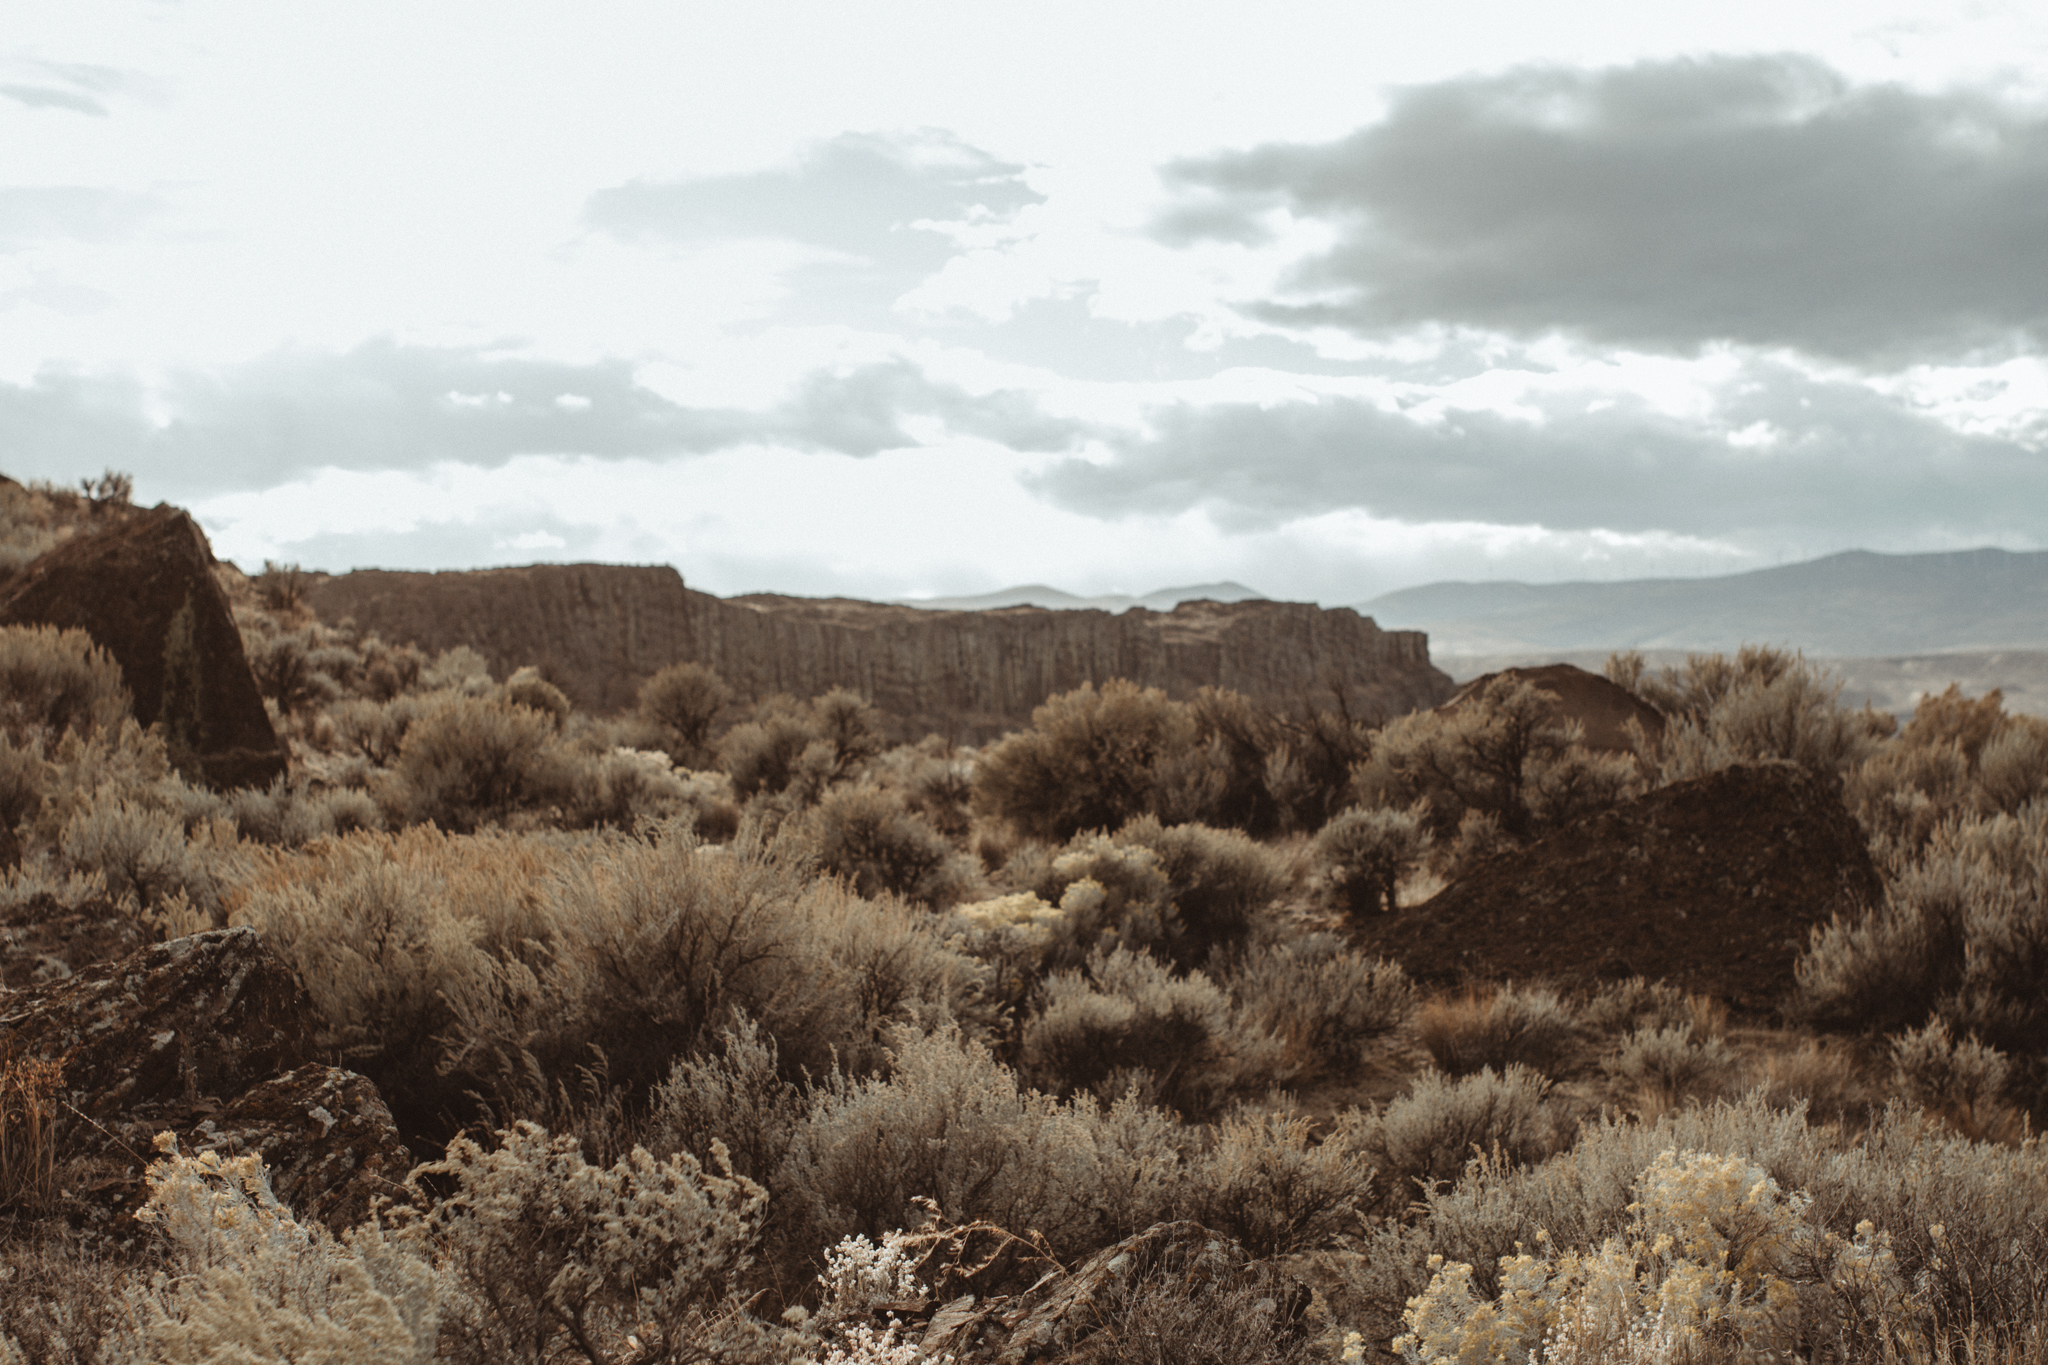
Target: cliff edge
(598, 630)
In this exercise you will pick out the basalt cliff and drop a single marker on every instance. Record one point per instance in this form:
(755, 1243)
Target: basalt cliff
(598, 630)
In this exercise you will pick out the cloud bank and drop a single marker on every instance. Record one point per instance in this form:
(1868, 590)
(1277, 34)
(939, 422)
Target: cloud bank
(1667, 205)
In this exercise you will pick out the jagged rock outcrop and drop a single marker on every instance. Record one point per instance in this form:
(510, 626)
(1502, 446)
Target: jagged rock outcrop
(1713, 885)
(597, 631)
(143, 587)
(1602, 708)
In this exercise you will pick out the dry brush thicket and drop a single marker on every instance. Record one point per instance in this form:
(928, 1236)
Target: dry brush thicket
(690, 1014)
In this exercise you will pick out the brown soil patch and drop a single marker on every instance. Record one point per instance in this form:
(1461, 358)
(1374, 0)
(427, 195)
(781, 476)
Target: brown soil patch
(1713, 885)
(1604, 708)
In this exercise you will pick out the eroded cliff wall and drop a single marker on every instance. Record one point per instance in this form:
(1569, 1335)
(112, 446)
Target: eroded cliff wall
(598, 630)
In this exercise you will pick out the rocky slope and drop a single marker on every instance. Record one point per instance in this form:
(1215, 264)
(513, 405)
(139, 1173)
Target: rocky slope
(598, 630)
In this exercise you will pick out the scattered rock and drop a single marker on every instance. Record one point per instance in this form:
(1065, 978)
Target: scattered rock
(1713, 885)
(143, 587)
(1602, 708)
(597, 631)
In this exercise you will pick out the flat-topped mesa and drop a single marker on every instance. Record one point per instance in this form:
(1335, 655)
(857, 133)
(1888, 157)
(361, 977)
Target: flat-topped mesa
(598, 630)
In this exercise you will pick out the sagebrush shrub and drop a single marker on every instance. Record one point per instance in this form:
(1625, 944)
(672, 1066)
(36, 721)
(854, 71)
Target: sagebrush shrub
(548, 1246)
(1961, 935)
(55, 680)
(1090, 760)
(1429, 1134)
(1217, 879)
(255, 1284)
(801, 748)
(1670, 1064)
(684, 701)
(951, 1124)
(1264, 1182)
(526, 687)
(1531, 1026)
(1960, 1079)
(868, 836)
(1501, 752)
(1327, 1003)
(1764, 704)
(1367, 852)
(472, 761)
(1129, 1021)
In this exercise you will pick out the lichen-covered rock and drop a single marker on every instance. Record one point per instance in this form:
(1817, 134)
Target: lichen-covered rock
(208, 1015)
(325, 1135)
(143, 588)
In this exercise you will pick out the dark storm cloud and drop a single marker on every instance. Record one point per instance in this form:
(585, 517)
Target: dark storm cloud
(858, 193)
(1761, 200)
(33, 213)
(1835, 458)
(386, 406)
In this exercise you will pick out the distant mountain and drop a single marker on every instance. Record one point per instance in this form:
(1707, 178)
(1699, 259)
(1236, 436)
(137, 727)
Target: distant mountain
(1039, 595)
(1853, 604)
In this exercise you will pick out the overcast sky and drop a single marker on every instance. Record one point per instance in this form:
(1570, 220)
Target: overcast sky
(935, 298)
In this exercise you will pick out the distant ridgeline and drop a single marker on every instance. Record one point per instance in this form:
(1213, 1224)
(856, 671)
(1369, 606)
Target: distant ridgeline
(598, 630)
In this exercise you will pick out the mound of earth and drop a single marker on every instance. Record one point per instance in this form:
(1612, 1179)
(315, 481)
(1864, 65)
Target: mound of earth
(143, 588)
(1602, 708)
(1713, 885)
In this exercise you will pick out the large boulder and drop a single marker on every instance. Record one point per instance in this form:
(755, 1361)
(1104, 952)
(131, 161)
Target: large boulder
(1713, 885)
(1602, 708)
(208, 1015)
(143, 587)
(207, 1037)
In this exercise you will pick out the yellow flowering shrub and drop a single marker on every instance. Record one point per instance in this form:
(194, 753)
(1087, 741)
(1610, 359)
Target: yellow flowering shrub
(1710, 1255)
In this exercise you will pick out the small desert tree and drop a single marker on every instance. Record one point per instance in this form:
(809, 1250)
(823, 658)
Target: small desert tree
(683, 702)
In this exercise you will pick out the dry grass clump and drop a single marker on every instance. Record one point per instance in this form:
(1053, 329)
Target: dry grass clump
(1498, 1027)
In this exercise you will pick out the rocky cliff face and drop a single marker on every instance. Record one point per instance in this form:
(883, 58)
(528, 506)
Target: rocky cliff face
(597, 631)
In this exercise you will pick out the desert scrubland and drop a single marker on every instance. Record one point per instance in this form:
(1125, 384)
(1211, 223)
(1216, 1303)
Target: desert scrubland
(723, 1030)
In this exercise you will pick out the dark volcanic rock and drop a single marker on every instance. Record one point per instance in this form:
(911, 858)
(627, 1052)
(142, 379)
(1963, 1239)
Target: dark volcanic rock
(326, 1136)
(206, 1037)
(1713, 885)
(597, 631)
(209, 1015)
(143, 587)
(44, 942)
(1603, 708)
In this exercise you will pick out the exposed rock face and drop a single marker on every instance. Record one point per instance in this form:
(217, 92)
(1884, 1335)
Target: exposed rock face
(1713, 885)
(212, 1014)
(1603, 708)
(597, 631)
(206, 1037)
(326, 1136)
(143, 588)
